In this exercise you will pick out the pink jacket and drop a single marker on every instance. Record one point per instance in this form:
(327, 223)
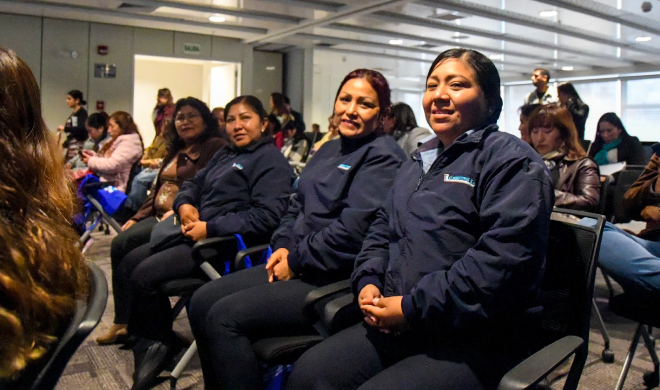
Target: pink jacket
(115, 164)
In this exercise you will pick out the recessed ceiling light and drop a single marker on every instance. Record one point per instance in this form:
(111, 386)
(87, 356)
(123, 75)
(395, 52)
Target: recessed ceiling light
(643, 39)
(270, 68)
(496, 57)
(548, 13)
(217, 19)
(567, 68)
(396, 41)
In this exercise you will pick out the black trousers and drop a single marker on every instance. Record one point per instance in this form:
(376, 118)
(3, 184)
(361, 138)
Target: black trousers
(361, 357)
(226, 315)
(137, 235)
(144, 271)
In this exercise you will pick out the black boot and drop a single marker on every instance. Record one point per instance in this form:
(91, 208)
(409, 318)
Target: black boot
(151, 357)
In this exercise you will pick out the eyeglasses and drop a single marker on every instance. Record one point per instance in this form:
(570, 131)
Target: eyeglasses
(189, 117)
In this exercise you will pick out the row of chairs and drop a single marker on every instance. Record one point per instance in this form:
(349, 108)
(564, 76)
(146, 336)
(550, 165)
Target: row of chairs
(567, 295)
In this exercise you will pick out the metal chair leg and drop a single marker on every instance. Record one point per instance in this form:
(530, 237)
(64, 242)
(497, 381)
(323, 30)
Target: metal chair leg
(629, 358)
(651, 379)
(607, 354)
(183, 363)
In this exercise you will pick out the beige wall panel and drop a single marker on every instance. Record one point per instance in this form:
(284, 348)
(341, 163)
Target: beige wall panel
(22, 34)
(154, 42)
(117, 93)
(61, 72)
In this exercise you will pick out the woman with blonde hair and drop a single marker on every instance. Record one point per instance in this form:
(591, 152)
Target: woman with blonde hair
(574, 174)
(42, 273)
(115, 159)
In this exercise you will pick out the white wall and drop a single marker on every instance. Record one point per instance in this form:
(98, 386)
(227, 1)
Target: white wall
(183, 79)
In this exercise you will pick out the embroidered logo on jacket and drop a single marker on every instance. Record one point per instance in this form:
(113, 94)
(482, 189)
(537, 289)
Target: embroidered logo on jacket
(344, 167)
(459, 179)
(237, 165)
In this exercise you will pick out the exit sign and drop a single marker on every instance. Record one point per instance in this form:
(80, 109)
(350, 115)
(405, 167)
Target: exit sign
(192, 48)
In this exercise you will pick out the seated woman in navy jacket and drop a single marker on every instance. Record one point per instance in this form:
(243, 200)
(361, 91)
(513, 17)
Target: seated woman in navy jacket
(243, 189)
(448, 278)
(339, 192)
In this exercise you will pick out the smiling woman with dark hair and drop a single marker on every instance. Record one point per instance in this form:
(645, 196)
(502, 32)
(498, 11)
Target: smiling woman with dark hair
(193, 140)
(244, 189)
(448, 277)
(338, 195)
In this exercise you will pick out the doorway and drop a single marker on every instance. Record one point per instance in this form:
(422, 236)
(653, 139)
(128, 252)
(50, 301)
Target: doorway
(213, 82)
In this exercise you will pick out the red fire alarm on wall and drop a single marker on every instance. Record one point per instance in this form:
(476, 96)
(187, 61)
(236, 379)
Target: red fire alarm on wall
(102, 49)
(100, 105)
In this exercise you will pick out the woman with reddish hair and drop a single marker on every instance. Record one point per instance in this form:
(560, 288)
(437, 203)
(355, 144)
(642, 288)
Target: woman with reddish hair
(574, 174)
(315, 245)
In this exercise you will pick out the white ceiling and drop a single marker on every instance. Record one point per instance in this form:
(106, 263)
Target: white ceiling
(592, 36)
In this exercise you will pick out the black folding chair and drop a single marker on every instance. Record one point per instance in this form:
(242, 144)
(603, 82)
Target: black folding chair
(45, 373)
(203, 251)
(644, 311)
(566, 293)
(626, 179)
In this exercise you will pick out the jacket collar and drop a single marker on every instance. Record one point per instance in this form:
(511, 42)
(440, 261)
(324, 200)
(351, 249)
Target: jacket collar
(464, 139)
(252, 146)
(349, 145)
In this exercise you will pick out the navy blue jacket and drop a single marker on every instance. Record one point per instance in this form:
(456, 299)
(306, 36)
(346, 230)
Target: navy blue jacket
(241, 190)
(464, 244)
(339, 192)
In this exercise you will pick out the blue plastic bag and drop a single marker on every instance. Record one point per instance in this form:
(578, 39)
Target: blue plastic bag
(248, 262)
(110, 198)
(274, 378)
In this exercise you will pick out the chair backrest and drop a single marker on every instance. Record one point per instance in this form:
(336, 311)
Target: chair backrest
(626, 179)
(135, 169)
(606, 194)
(568, 283)
(44, 374)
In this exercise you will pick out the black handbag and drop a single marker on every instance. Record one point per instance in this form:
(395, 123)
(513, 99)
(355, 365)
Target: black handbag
(167, 233)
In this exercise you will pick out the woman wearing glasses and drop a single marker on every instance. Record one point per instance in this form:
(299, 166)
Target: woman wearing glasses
(613, 143)
(193, 138)
(244, 190)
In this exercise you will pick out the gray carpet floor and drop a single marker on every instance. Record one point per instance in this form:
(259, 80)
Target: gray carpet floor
(108, 367)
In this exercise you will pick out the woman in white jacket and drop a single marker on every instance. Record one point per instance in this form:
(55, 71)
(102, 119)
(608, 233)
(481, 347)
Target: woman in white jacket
(114, 161)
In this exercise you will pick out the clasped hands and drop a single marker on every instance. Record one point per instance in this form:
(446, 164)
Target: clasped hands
(380, 312)
(191, 226)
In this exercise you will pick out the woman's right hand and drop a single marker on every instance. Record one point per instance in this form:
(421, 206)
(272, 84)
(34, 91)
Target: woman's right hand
(277, 257)
(188, 213)
(128, 224)
(366, 298)
(60, 128)
(651, 213)
(367, 295)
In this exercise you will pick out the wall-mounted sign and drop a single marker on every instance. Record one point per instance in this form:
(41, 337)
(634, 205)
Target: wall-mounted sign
(192, 48)
(102, 50)
(105, 71)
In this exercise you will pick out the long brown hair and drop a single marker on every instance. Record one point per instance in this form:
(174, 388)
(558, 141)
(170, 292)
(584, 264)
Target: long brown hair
(42, 273)
(552, 115)
(125, 122)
